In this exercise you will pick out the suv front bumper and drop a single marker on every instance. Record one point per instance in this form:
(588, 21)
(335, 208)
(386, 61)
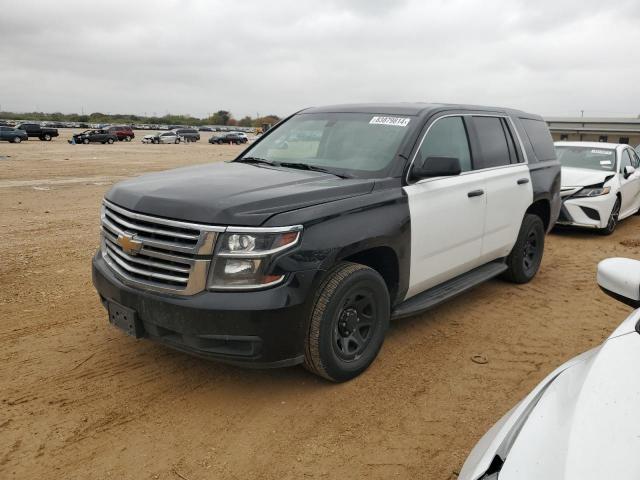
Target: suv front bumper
(263, 328)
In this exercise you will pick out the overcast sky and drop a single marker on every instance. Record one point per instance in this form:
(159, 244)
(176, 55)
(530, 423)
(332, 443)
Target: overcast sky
(197, 56)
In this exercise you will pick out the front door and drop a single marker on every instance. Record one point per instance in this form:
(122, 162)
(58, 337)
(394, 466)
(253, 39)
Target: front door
(447, 213)
(630, 186)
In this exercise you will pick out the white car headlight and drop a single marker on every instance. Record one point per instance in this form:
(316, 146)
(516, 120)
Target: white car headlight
(243, 257)
(592, 192)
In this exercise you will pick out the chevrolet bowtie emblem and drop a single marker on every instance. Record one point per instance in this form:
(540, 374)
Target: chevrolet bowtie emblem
(129, 244)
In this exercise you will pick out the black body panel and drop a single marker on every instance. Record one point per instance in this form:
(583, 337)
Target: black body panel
(264, 328)
(231, 193)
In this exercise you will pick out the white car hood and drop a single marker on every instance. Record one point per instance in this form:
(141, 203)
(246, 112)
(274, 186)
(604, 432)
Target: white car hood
(580, 177)
(586, 424)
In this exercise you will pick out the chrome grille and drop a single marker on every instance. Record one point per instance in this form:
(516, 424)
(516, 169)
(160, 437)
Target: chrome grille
(172, 256)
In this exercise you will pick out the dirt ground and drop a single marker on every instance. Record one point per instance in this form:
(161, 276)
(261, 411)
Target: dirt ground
(79, 399)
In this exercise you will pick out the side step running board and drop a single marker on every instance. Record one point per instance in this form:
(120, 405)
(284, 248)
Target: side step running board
(436, 295)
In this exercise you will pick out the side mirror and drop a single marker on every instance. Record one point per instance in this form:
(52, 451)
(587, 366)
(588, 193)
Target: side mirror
(437, 167)
(620, 278)
(628, 171)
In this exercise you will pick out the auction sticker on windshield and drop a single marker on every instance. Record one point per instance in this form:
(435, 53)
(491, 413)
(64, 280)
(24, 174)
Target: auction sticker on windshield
(393, 121)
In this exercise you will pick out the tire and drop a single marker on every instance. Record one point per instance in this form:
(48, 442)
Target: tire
(177, 141)
(127, 138)
(110, 141)
(85, 141)
(524, 260)
(46, 137)
(612, 223)
(17, 140)
(156, 141)
(348, 322)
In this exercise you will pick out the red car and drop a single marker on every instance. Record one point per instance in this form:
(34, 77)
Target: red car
(122, 132)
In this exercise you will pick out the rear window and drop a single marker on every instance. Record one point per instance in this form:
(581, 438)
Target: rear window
(540, 138)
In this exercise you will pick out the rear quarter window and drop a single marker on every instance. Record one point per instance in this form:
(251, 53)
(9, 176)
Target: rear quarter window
(540, 138)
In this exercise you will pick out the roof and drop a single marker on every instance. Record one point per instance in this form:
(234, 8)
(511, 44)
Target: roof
(411, 109)
(630, 120)
(589, 144)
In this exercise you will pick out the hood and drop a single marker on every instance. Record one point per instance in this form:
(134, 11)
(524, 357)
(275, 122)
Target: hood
(581, 177)
(231, 193)
(586, 424)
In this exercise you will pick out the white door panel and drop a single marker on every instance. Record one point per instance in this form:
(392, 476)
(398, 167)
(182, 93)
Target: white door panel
(507, 202)
(446, 229)
(630, 190)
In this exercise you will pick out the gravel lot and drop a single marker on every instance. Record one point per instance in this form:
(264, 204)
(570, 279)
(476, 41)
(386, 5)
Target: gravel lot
(81, 400)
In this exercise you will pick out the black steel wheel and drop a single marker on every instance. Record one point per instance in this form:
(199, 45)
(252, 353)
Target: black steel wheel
(614, 217)
(349, 319)
(526, 256)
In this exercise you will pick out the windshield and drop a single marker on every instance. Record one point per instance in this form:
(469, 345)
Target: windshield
(603, 159)
(349, 143)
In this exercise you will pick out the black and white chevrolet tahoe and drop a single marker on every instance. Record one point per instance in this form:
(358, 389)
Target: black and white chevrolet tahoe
(337, 220)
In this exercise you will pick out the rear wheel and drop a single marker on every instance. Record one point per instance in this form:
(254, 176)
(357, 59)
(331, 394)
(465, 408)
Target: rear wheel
(612, 223)
(17, 140)
(524, 260)
(127, 138)
(110, 141)
(47, 137)
(177, 141)
(349, 319)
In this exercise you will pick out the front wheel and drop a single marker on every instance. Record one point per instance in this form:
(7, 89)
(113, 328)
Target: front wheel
(110, 141)
(17, 140)
(612, 223)
(85, 141)
(349, 319)
(47, 137)
(177, 141)
(127, 138)
(524, 260)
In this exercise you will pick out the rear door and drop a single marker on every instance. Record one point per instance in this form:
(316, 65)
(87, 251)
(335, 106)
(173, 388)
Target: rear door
(447, 213)
(630, 186)
(500, 161)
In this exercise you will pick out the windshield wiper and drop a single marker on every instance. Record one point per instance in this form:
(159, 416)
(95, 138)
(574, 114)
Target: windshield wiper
(255, 160)
(314, 168)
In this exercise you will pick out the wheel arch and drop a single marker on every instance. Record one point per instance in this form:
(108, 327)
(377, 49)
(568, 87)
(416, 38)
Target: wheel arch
(384, 260)
(542, 209)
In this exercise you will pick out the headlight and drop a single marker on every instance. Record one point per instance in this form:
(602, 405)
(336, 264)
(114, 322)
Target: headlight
(243, 257)
(592, 192)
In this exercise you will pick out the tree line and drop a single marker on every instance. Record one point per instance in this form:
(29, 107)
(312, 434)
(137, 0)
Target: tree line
(221, 117)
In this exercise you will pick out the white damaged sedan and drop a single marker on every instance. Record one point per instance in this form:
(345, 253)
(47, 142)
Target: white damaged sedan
(582, 422)
(600, 184)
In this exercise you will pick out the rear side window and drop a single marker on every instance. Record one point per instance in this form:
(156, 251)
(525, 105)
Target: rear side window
(495, 151)
(447, 137)
(540, 138)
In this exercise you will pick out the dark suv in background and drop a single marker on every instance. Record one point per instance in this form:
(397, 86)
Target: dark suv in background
(122, 132)
(189, 134)
(12, 135)
(231, 138)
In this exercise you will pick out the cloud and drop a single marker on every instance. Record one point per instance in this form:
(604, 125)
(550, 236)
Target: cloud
(197, 56)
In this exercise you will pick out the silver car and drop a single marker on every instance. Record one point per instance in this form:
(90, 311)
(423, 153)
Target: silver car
(582, 422)
(163, 137)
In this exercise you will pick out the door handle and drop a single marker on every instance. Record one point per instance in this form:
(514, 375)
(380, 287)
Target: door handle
(475, 193)
(523, 181)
